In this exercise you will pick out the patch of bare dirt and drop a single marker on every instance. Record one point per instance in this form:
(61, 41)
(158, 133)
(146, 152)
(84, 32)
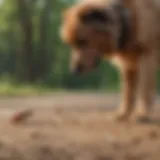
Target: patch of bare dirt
(59, 133)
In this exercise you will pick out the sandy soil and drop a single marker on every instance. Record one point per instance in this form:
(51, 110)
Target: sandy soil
(75, 127)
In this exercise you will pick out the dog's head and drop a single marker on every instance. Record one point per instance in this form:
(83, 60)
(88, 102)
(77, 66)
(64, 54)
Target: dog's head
(89, 29)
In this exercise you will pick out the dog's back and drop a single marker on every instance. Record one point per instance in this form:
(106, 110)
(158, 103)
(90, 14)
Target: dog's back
(147, 14)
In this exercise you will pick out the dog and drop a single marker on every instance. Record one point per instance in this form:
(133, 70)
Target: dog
(124, 32)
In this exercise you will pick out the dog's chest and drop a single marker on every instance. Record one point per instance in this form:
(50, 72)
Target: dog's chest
(117, 61)
(122, 62)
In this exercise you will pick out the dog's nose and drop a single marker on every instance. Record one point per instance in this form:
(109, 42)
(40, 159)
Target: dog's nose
(78, 69)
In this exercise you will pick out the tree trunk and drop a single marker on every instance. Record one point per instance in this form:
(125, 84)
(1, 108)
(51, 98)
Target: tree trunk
(27, 32)
(43, 42)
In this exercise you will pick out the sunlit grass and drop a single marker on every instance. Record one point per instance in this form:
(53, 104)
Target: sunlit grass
(8, 88)
(11, 89)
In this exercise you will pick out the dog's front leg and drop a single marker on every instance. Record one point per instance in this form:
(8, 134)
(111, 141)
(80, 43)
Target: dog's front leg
(129, 83)
(147, 85)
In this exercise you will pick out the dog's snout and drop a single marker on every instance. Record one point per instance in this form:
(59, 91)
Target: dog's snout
(78, 69)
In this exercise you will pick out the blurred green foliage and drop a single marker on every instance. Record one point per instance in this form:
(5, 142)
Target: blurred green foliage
(31, 50)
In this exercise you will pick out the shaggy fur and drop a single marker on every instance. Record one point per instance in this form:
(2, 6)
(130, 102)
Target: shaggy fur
(125, 32)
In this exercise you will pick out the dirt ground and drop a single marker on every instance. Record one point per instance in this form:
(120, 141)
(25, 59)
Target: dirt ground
(73, 126)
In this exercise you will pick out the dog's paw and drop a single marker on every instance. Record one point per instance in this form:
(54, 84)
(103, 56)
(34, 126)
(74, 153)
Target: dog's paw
(121, 116)
(143, 119)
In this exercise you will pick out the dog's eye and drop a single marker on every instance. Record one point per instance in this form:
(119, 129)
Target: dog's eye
(81, 43)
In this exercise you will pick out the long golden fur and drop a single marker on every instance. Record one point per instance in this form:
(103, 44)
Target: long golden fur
(127, 33)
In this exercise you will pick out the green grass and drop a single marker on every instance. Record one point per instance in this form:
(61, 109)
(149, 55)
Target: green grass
(11, 89)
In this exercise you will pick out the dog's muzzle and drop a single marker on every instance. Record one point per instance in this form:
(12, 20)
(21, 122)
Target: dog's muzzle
(80, 68)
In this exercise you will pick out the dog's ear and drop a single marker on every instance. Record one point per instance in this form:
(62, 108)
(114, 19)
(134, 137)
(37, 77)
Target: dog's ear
(95, 17)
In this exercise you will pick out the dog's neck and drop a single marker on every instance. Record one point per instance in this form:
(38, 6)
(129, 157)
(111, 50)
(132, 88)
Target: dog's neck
(124, 28)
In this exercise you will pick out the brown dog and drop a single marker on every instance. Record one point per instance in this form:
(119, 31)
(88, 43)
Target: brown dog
(127, 33)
